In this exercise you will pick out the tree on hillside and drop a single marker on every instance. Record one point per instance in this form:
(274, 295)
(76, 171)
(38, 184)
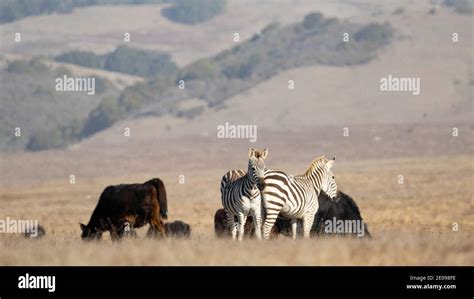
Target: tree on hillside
(83, 58)
(194, 11)
(140, 62)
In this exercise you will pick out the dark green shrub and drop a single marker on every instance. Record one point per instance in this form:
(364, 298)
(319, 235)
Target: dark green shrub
(194, 11)
(242, 70)
(202, 69)
(313, 20)
(26, 67)
(83, 58)
(42, 140)
(107, 113)
(461, 6)
(139, 62)
(375, 33)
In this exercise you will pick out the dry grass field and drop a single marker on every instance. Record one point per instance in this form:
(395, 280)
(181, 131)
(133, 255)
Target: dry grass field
(411, 223)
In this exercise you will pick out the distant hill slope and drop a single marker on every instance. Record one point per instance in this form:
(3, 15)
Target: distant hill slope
(30, 103)
(345, 96)
(181, 11)
(341, 96)
(12, 10)
(315, 40)
(101, 28)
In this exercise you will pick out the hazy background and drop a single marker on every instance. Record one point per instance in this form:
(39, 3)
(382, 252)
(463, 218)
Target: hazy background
(173, 132)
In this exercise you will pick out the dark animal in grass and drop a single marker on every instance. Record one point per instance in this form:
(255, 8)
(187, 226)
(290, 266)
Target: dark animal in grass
(342, 208)
(177, 229)
(34, 233)
(221, 230)
(121, 208)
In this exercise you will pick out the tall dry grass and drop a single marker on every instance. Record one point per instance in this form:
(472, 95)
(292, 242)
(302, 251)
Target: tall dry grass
(411, 223)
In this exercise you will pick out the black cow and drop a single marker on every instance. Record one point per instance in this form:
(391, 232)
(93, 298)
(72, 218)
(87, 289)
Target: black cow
(343, 207)
(124, 207)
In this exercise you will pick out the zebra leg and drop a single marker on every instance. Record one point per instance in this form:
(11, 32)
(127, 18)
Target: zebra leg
(231, 225)
(257, 223)
(294, 226)
(272, 206)
(270, 218)
(242, 219)
(308, 220)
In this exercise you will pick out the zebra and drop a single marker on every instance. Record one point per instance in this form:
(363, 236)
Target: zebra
(241, 197)
(296, 197)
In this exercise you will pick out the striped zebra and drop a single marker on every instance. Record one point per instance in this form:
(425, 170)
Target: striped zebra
(241, 197)
(296, 197)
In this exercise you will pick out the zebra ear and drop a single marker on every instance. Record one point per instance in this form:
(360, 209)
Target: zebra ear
(251, 152)
(265, 153)
(330, 163)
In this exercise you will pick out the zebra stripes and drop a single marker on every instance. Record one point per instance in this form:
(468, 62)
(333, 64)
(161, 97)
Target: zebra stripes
(296, 197)
(241, 197)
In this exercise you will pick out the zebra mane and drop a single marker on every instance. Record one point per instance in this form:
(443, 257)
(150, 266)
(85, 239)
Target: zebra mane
(316, 164)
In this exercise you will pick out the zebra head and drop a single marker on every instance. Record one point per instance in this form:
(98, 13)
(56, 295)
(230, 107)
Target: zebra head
(256, 168)
(328, 182)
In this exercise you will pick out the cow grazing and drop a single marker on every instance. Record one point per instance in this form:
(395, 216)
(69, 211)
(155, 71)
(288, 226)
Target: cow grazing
(121, 208)
(343, 207)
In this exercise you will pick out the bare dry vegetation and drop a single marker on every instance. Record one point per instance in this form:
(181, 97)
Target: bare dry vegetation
(411, 223)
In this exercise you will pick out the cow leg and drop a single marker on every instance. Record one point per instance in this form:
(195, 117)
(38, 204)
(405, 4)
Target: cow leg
(129, 231)
(116, 234)
(242, 219)
(231, 224)
(130, 234)
(116, 230)
(157, 228)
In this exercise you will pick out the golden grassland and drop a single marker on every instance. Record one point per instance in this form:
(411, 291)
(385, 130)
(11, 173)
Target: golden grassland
(411, 223)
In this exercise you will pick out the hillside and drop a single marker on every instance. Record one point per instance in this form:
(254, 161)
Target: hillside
(31, 104)
(347, 94)
(104, 30)
(326, 95)
(276, 48)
